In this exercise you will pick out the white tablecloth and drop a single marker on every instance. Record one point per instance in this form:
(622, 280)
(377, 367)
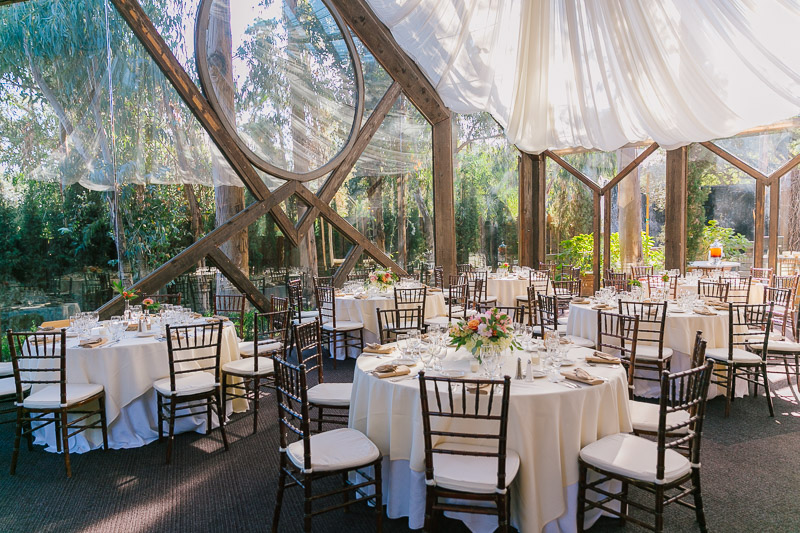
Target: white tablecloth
(679, 334)
(548, 425)
(127, 371)
(507, 290)
(365, 311)
(756, 290)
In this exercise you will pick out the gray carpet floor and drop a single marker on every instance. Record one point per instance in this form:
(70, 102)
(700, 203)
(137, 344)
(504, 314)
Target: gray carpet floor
(749, 474)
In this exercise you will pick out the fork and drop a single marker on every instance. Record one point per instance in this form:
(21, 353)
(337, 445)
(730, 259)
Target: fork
(568, 384)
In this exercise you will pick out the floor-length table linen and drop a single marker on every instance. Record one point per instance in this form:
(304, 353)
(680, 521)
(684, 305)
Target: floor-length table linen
(508, 289)
(548, 425)
(127, 370)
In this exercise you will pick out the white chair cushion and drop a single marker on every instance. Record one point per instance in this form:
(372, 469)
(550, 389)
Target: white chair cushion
(6, 369)
(563, 320)
(562, 328)
(192, 383)
(634, 457)
(783, 347)
(343, 325)
(438, 321)
(644, 417)
(330, 394)
(8, 387)
(338, 449)
(304, 319)
(739, 355)
(265, 346)
(470, 473)
(580, 341)
(246, 367)
(650, 352)
(309, 314)
(523, 298)
(50, 396)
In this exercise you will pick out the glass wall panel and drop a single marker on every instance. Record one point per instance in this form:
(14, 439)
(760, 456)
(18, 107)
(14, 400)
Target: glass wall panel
(789, 223)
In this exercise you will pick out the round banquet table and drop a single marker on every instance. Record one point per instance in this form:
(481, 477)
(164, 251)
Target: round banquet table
(708, 265)
(756, 290)
(679, 334)
(127, 370)
(507, 290)
(364, 310)
(548, 425)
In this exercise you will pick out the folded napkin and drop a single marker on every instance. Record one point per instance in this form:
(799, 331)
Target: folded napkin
(132, 327)
(603, 358)
(220, 317)
(564, 340)
(196, 315)
(704, 311)
(473, 389)
(390, 370)
(46, 328)
(379, 349)
(93, 343)
(602, 307)
(434, 289)
(362, 296)
(582, 376)
(580, 301)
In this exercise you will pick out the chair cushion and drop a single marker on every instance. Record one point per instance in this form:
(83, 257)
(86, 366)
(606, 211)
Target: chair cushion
(633, 457)
(343, 325)
(739, 355)
(246, 367)
(264, 347)
(644, 417)
(304, 319)
(470, 473)
(580, 341)
(338, 449)
(783, 347)
(438, 321)
(523, 298)
(562, 320)
(6, 369)
(8, 387)
(650, 352)
(192, 383)
(309, 314)
(330, 394)
(50, 396)
(562, 328)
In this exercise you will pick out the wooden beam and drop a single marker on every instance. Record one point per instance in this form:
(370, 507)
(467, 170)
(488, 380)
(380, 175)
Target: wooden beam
(758, 232)
(239, 279)
(572, 170)
(531, 223)
(348, 231)
(735, 161)
(540, 208)
(197, 251)
(347, 265)
(444, 218)
(607, 232)
(789, 165)
(597, 239)
(365, 135)
(380, 42)
(676, 208)
(630, 167)
(136, 18)
(774, 208)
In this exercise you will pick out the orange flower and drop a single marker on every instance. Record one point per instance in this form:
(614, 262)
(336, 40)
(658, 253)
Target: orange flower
(473, 324)
(147, 301)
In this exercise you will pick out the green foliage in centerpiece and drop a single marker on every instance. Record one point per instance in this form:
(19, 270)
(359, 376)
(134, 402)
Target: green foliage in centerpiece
(382, 279)
(492, 328)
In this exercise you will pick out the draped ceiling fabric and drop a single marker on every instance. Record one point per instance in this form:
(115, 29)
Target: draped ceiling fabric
(600, 74)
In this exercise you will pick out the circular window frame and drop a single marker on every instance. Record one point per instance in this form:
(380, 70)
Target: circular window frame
(201, 54)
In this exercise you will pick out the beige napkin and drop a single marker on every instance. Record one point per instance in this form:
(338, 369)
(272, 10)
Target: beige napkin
(378, 349)
(93, 343)
(582, 376)
(484, 389)
(580, 301)
(362, 296)
(132, 327)
(388, 371)
(196, 315)
(704, 311)
(603, 358)
(602, 307)
(434, 289)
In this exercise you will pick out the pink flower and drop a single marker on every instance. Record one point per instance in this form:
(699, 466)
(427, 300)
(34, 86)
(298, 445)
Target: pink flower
(484, 331)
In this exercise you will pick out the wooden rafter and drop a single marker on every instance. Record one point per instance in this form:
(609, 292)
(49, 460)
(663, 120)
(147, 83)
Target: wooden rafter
(786, 167)
(239, 279)
(574, 171)
(630, 167)
(735, 161)
(347, 265)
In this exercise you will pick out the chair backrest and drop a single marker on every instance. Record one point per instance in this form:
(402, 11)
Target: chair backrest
(308, 344)
(623, 285)
(655, 282)
(739, 289)
(410, 297)
(170, 298)
(749, 326)
(438, 277)
(458, 301)
(698, 350)
(291, 392)
(616, 276)
(322, 281)
(571, 287)
(271, 326)
(761, 275)
(548, 312)
(193, 348)
(447, 402)
(357, 276)
(652, 319)
(39, 359)
(539, 279)
(786, 282)
(684, 391)
(641, 271)
(570, 273)
(391, 321)
(232, 306)
(477, 280)
(516, 313)
(713, 289)
(294, 290)
(780, 297)
(533, 305)
(278, 303)
(326, 305)
(463, 267)
(617, 334)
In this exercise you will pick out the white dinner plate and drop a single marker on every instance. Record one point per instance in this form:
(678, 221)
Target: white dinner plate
(453, 373)
(568, 362)
(538, 373)
(404, 361)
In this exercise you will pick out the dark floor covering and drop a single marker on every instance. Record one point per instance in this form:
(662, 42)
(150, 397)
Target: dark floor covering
(750, 478)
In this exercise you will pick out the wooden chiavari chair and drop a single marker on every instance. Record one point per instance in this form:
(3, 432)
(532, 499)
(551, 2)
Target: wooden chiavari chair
(761, 275)
(392, 322)
(413, 297)
(478, 282)
(452, 466)
(231, 306)
(40, 360)
(748, 332)
(335, 453)
(294, 290)
(438, 277)
(739, 289)
(548, 315)
(569, 273)
(640, 272)
(781, 301)
(566, 291)
(457, 307)
(344, 334)
(651, 354)
(539, 280)
(462, 268)
(713, 290)
(194, 353)
(278, 303)
(657, 283)
(662, 468)
(788, 313)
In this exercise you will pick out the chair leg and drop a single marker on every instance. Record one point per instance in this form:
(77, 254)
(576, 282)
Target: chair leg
(581, 497)
(319, 419)
(766, 389)
(797, 371)
(345, 496)
(335, 338)
(378, 497)
(502, 517)
(659, 509)
(698, 500)
(65, 439)
(729, 391)
(221, 419)
(276, 515)
(623, 504)
(57, 424)
(256, 394)
(159, 406)
(171, 436)
(17, 438)
(103, 423)
(307, 509)
(430, 498)
(224, 392)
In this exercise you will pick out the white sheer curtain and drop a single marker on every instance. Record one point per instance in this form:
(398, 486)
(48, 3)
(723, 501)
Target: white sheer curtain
(602, 73)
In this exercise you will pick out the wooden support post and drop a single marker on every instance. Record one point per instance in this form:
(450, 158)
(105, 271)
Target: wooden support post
(531, 225)
(239, 280)
(758, 232)
(444, 222)
(347, 265)
(676, 208)
(596, 234)
(774, 208)
(606, 231)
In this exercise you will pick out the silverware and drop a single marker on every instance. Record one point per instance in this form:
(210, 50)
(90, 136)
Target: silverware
(568, 384)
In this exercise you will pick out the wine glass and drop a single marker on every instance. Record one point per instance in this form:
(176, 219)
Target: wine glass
(426, 354)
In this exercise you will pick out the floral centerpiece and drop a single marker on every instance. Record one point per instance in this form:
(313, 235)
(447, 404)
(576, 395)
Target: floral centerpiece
(382, 279)
(665, 277)
(127, 294)
(151, 305)
(489, 329)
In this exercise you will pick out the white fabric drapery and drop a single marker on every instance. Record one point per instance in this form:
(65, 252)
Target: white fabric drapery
(600, 74)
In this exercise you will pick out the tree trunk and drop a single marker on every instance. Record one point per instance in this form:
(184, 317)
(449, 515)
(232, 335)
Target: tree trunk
(229, 199)
(402, 216)
(629, 201)
(791, 214)
(427, 221)
(375, 196)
